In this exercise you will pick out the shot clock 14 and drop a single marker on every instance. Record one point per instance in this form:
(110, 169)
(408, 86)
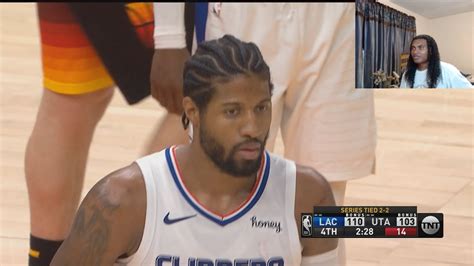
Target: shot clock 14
(371, 222)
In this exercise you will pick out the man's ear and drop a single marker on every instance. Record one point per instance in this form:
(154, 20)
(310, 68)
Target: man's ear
(191, 110)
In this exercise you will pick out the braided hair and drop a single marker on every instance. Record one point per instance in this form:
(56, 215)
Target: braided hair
(434, 66)
(219, 61)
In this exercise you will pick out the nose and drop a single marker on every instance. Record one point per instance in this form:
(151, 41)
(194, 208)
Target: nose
(250, 126)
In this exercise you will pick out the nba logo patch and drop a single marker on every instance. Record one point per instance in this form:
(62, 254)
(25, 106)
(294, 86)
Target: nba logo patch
(306, 225)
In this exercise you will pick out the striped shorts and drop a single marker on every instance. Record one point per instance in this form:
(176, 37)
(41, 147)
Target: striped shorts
(71, 64)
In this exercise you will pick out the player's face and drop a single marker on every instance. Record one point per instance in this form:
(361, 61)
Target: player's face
(235, 125)
(419, 51)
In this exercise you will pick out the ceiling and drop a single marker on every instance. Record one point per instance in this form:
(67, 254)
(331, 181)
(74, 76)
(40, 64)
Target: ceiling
(436, 8)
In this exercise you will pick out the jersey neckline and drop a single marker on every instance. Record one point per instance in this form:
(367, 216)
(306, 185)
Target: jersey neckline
(252, 199)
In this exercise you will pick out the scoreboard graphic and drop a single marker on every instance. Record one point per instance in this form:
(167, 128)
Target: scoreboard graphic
(371, 222)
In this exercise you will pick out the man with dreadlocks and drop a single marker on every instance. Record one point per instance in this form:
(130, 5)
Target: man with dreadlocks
(426, 70)
(220, 200)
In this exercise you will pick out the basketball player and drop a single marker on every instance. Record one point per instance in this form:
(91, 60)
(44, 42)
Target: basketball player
(325, 123)
(220, 200)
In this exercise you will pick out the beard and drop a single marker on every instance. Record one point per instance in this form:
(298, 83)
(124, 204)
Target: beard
(228, 164)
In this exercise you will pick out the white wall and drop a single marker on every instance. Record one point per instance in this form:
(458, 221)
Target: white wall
(453, 34)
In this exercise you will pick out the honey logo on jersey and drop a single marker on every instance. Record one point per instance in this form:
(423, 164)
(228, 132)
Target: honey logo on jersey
(276, 225)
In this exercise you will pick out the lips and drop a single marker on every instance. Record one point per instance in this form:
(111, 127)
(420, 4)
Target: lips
(250, 146)
(249, 151)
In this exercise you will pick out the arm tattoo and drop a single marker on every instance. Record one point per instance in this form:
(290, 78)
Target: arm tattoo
(92, 228)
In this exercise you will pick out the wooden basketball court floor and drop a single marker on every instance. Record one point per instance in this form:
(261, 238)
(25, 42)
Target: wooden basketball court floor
(424, 155)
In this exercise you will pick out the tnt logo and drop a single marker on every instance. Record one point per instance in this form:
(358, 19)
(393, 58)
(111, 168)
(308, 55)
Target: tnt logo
(430, 224)
(306, 225)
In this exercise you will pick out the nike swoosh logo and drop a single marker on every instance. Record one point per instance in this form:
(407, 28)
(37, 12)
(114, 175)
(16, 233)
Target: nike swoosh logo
(167, 220)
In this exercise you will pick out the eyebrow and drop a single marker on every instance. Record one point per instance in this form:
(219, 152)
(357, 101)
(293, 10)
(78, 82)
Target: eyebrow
(232, 103)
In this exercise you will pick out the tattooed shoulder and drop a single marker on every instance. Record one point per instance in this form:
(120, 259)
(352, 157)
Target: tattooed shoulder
(93, 222)
(107, 220)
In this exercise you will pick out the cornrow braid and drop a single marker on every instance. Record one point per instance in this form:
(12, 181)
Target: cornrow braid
(220, 60)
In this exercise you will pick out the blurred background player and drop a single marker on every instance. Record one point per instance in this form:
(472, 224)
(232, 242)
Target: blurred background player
(83, 59)
(325, 123)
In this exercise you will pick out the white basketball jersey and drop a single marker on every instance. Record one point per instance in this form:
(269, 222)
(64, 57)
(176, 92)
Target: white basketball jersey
(180, 231)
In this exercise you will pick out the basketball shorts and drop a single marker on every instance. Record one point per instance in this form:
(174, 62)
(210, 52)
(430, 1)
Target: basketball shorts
(71, 63)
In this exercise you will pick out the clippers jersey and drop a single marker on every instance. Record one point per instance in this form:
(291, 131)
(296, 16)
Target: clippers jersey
(180, 231)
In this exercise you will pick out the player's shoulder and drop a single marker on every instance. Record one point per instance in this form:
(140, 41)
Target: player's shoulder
(125, 182)
(312, 187)
(111, 217)
(122, 196)
(124, 187)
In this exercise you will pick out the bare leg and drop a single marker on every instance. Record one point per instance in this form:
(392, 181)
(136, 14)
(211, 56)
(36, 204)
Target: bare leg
(56, 157)
(169, 132)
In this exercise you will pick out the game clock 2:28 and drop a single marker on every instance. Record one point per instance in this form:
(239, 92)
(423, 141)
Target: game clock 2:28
(364, 231)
